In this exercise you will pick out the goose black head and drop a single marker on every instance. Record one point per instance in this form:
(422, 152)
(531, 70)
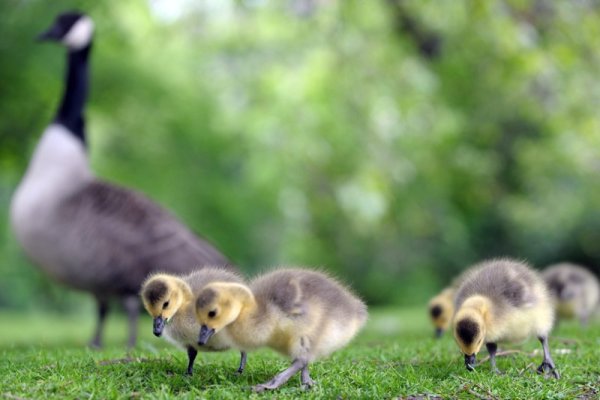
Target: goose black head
(73, 29)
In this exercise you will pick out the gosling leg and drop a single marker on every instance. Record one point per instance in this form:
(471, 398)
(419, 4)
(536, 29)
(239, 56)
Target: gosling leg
(307, 382)
(243, 359)
(192, 353)
(492, 348)
(282, 377)
(547, 363)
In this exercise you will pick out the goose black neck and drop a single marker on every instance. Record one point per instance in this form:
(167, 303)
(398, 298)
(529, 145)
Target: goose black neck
(70, 113)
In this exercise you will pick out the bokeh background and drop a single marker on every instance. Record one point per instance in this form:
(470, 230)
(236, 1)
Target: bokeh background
(392, 142)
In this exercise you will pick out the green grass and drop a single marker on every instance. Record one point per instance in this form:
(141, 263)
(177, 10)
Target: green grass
(44, 356)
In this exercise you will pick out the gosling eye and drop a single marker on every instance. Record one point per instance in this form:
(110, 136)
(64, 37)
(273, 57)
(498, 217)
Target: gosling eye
(212, 314)
(165, 304)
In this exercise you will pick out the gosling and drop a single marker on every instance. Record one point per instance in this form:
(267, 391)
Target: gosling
(299, 313)
(441, 309)
(502, 300)
(169, 299)
(575, 291)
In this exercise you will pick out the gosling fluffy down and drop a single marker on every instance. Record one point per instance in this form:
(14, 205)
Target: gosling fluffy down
(170, 299)
(575, 290)
(300, 313)
(502, 300)
(441, 309)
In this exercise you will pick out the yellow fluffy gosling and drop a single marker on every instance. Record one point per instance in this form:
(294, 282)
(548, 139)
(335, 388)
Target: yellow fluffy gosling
(300, 313)
(441, 309)
(502, 300)
(169, 299)
(575, 290)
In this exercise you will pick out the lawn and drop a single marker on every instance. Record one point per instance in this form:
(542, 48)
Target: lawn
(44, 356)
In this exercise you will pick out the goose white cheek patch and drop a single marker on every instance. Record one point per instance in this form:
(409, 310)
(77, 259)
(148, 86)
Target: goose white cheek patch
(80, 34)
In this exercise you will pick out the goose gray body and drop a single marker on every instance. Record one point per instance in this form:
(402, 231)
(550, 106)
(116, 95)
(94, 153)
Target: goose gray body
(86, 233)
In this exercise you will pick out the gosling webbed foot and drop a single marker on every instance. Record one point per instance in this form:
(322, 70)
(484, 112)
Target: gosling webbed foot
(305, 379)
(266, 386)
(282, 377)
(548, 366)
(547, 363)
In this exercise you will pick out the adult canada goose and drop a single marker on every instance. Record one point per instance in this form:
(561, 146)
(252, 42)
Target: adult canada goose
(86, 233)
(502, 301)
(171, 301)
(575, 290)
(300, 313)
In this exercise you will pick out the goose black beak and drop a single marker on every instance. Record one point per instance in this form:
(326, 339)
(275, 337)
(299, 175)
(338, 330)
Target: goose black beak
(51, 34)
(205, 334)
(470, 362)
(438, 333)
(159, 325)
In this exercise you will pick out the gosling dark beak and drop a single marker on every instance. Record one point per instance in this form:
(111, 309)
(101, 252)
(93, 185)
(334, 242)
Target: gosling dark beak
(438, 333)
(159, 325)
(51, 34)
(205, 334)
(470, 362)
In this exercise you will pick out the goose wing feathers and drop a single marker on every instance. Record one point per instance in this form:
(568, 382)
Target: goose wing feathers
(126, 236)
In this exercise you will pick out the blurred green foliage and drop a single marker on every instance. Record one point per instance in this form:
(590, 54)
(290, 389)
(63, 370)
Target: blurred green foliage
(392, 142)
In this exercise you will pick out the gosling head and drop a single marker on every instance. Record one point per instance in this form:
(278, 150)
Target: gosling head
(218, 305)
(441, 315)
(469, 333)
(73, 29)
(162, 296)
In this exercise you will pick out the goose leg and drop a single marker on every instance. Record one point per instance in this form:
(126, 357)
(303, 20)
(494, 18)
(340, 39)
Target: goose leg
(547, 363)
(243, 359)
(492, 348)
(132, 307)
(307, 382)
(102, 305)
(281, 377)
(192, 353)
